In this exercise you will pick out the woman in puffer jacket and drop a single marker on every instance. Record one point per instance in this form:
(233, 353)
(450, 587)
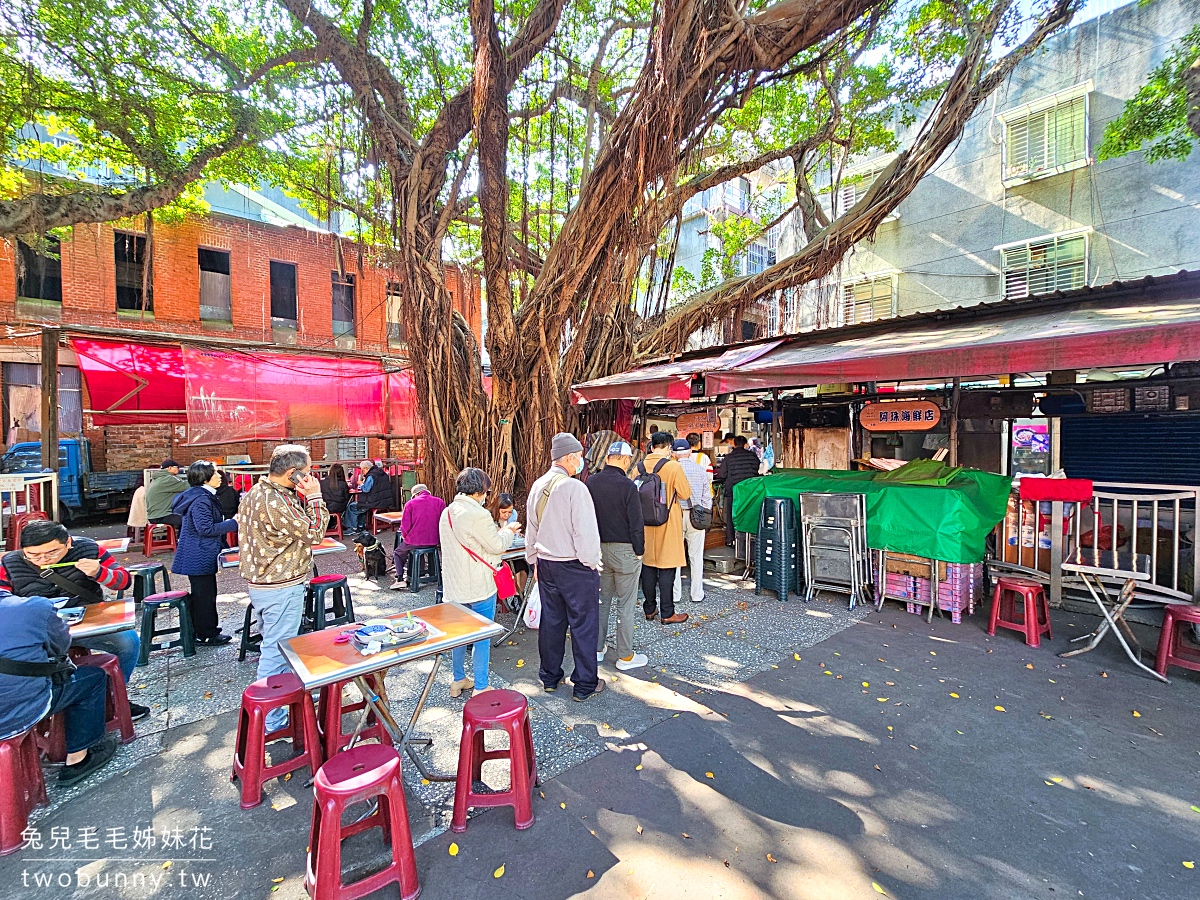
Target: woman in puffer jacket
(199, 546)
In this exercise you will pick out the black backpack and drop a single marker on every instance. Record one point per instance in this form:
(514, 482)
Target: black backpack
(655, 509)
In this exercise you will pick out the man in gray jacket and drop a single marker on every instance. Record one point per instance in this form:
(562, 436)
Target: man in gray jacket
(562, 545)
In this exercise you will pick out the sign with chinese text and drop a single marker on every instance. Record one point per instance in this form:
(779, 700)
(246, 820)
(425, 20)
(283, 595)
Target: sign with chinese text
(699, 422)
(903, 415)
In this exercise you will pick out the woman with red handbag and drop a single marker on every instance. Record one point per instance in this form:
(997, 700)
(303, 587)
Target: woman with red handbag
(472, 571)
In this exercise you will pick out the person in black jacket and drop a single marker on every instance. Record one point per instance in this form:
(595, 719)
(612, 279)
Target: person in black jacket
(228, 497)
(622, 542)
(375, 492)
(199, 546)
(738, 465)
(335, 491)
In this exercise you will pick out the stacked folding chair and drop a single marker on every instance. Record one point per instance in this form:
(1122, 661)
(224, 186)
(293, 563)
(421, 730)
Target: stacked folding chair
(834, 544)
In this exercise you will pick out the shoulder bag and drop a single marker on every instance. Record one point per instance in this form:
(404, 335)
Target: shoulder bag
(506, 587)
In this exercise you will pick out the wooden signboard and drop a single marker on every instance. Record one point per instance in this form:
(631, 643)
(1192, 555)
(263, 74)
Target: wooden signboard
(699, 422)
(903, 415)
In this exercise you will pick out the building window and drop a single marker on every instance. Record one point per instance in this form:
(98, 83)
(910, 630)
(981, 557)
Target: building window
(395, 323)
(1055, 263)
(283, 294)
(214, 286)
(343, 305)
(1047, 137)
(869, 299)
(129, 253)
(352, 448)
(853, 188)
(759, 257)
(737, 193)
(39, 276)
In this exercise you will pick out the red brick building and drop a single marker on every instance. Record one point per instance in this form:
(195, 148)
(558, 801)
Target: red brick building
(215, 280)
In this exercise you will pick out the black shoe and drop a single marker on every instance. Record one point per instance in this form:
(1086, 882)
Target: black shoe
(549, 689)
(599, 690)
(652, 615)
(98, 756)
(137, 712)
(215, 641)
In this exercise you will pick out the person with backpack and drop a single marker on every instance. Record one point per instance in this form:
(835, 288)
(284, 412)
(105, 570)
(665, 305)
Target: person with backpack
(662, 483)
(562, 546)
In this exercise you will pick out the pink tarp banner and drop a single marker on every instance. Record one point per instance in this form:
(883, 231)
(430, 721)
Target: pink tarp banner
(403, 418)
(132, 384)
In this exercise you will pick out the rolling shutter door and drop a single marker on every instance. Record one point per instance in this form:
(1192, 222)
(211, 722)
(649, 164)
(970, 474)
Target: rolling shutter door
(1137, 448)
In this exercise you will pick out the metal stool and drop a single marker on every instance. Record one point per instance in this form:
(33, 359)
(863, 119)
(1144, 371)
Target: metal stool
(177, 600)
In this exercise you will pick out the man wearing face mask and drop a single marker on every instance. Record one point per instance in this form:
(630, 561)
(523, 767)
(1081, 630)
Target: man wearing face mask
(562, 545)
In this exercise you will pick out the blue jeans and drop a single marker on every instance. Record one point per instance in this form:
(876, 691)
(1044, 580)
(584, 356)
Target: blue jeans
(353, 519)
(81, 701)
(124, 645)
(279, 613)
(481, 651)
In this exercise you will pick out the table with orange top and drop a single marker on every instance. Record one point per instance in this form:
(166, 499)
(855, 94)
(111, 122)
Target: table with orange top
(319, 660)
(105, 618)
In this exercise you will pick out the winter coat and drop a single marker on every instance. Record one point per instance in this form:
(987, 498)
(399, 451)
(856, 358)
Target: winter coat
(199, 540)
(664, 543)
(464, 578)
(277, 528)
(336, 495)
(34, 633)
(380, 494)
(737, 466)
(161, 493)
(228, 499)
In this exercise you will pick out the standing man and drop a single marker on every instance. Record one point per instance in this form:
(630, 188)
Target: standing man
(664, 543)
(738, 465)
(37, 570)
(700, 480)
(279, 520)
(698, 456)
(161, 492)
(375, 492)
(418, 528)
(562, 545)
(622, 543)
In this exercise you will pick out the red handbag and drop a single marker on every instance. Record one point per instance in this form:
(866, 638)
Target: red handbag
(506, 586)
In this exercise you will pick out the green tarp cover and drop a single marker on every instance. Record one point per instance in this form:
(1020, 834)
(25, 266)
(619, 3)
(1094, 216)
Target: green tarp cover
(949, 521)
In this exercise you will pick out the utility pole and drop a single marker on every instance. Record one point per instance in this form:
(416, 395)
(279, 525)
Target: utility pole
(50, 398)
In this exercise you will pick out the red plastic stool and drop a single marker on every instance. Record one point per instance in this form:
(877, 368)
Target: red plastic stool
(335, 525)
(17, 523)
(50, 735)
(116, 708)
(362, 773)
(330, 710)
(1035, 618)
(1172, 651)
(156, 544)
(22, 789)
(501, 709)
(249, 755)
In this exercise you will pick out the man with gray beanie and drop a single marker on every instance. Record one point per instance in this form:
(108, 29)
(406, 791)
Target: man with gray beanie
(562, 546)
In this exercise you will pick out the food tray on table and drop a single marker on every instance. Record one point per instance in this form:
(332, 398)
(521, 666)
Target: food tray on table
(377, 635)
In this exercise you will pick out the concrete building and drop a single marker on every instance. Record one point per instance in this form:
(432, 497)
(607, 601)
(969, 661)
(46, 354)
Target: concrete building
(1021, 206)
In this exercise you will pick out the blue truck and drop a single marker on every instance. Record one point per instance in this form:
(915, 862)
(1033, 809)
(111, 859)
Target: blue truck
(81, 491)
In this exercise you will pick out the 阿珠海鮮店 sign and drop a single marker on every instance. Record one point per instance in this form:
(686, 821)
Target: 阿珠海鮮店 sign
(902, 415)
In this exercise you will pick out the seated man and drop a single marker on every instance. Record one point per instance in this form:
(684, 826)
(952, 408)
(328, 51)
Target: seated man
(34, 683)
(418, 528)
(374, 492)
(36, 570)
(165, 485)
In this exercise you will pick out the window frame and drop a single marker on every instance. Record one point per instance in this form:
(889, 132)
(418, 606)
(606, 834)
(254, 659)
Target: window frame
(849, 302)
(1042, 106)
(860, 180)
(1057, 237)
(146, 304)
(284, 321)
(25, 254)
(228, 273)
(343, 280)
(393, 325)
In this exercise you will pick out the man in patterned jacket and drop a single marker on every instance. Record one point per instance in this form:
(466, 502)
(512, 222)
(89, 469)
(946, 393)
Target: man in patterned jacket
(279, 520)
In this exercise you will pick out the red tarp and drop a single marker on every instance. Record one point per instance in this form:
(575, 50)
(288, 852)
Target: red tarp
(665, 381)
(125, 378)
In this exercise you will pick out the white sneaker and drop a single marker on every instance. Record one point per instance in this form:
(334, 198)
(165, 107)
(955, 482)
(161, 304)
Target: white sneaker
(635, 662)
(698, 600)
(600, 656)
(397, 585)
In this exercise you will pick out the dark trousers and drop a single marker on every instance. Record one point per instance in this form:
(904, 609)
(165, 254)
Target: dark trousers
(660, 581)
(81, 701)
(570, 593)
(203, 604)
(400, 556)
(728, 513)
(175, 522)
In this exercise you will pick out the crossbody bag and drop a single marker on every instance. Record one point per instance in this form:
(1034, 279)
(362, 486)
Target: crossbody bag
(506, 587)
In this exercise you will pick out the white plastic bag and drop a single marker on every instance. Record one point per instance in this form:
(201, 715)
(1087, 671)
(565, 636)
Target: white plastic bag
(533, 609)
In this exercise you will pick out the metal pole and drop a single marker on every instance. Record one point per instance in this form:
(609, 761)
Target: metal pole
(50, 402)
(954, 398)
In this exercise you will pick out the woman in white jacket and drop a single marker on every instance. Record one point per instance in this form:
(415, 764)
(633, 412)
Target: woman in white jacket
(471, 546)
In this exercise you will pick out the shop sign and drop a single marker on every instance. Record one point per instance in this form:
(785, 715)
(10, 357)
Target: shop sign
(903, 415)
(699, 422)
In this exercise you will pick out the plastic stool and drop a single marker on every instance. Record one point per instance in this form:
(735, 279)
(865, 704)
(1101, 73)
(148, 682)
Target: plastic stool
(249, 755)
(250, 643)
(22, 789)
(155, 543)
(362, 773)
(330, 710)
(316, 614)
(335, 525)
(1035, 618)
(1172, 651)
(50, 735)
(18, 522)
(414, 566)
(145, 579)
(509, 711)
(177, 600)
(116, 708)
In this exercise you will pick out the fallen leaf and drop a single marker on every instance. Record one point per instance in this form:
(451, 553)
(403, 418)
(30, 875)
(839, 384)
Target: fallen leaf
(520, 663)
(167, 864)
(1052, 681)
(882, 699)
(639, 829)
(141, 687)
(877, 769)
(729, 632)
(287, 777)
(770, 858)
(453, 850)
(591, 874)
(726, 863)
(954, 695)
(1050, 783)
(499, 872)
(1196, 809)
(881, 660)
(563, 805)
(1136, 714)
(542, 794)
(276, 880)
(796, 656)
(999, 709)
(1189, 864)
(1029, 665)
(878, 888)
(638, 767)
(958, 731)
(827, 672)
(866, 684)
(889, 728)
(1103, 674)
(686, 835)
(933, 653)
(208, 695)
(890, 683)
(708, 774)
(915, 747)
(1057, 780)
(274, 888)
